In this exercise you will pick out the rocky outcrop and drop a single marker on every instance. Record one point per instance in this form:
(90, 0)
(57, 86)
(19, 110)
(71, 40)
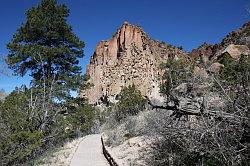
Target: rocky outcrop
(205, 52)
(235, 51)
(215, 67)
(240, 36)
(129, 57)
(234, 43)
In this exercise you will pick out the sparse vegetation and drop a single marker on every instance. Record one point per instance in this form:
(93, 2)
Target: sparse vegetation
(192, 128)
(122, 117)
(178, 71)
(205, 136)
(130, 103)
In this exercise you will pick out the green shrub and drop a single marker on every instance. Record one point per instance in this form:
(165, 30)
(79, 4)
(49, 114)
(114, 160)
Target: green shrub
(80, 118)
(130, 103)
(19, 131)
(235, 71)
(21, 137)
(235, 79)
(19, 146)
(177, 71)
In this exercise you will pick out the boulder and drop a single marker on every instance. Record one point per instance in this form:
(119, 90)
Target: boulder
(215, 67)
(235, 51)
(200, 72)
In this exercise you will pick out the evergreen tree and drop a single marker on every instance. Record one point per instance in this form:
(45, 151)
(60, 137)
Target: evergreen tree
(46, 47)
(131, 102)
(20, 137)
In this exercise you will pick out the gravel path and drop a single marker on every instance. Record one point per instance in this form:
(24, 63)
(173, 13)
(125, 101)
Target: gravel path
(89, 152)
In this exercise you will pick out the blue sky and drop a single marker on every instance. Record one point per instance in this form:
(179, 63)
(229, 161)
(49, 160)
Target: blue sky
(186, 23)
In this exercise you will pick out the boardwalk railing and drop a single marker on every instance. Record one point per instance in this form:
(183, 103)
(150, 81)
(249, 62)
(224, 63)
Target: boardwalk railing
(107, 155)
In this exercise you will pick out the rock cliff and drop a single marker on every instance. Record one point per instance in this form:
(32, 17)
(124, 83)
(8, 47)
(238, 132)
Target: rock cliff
(129, 57)
(235, 43)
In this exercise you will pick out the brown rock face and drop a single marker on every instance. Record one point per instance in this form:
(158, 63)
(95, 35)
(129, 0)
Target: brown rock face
(235, 51)
(129, 57)
(205, 52)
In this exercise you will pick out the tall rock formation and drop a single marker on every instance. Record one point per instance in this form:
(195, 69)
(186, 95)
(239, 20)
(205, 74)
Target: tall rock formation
(129, 57)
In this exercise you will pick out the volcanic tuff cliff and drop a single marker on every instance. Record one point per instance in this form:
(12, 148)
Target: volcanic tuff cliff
(129, 57)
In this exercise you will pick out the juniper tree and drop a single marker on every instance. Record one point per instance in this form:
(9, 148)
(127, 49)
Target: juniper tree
(131, 102)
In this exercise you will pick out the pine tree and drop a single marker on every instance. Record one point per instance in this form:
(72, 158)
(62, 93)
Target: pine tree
(46, 48)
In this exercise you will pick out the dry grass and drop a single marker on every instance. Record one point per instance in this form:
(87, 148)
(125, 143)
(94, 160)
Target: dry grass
(59, 157)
